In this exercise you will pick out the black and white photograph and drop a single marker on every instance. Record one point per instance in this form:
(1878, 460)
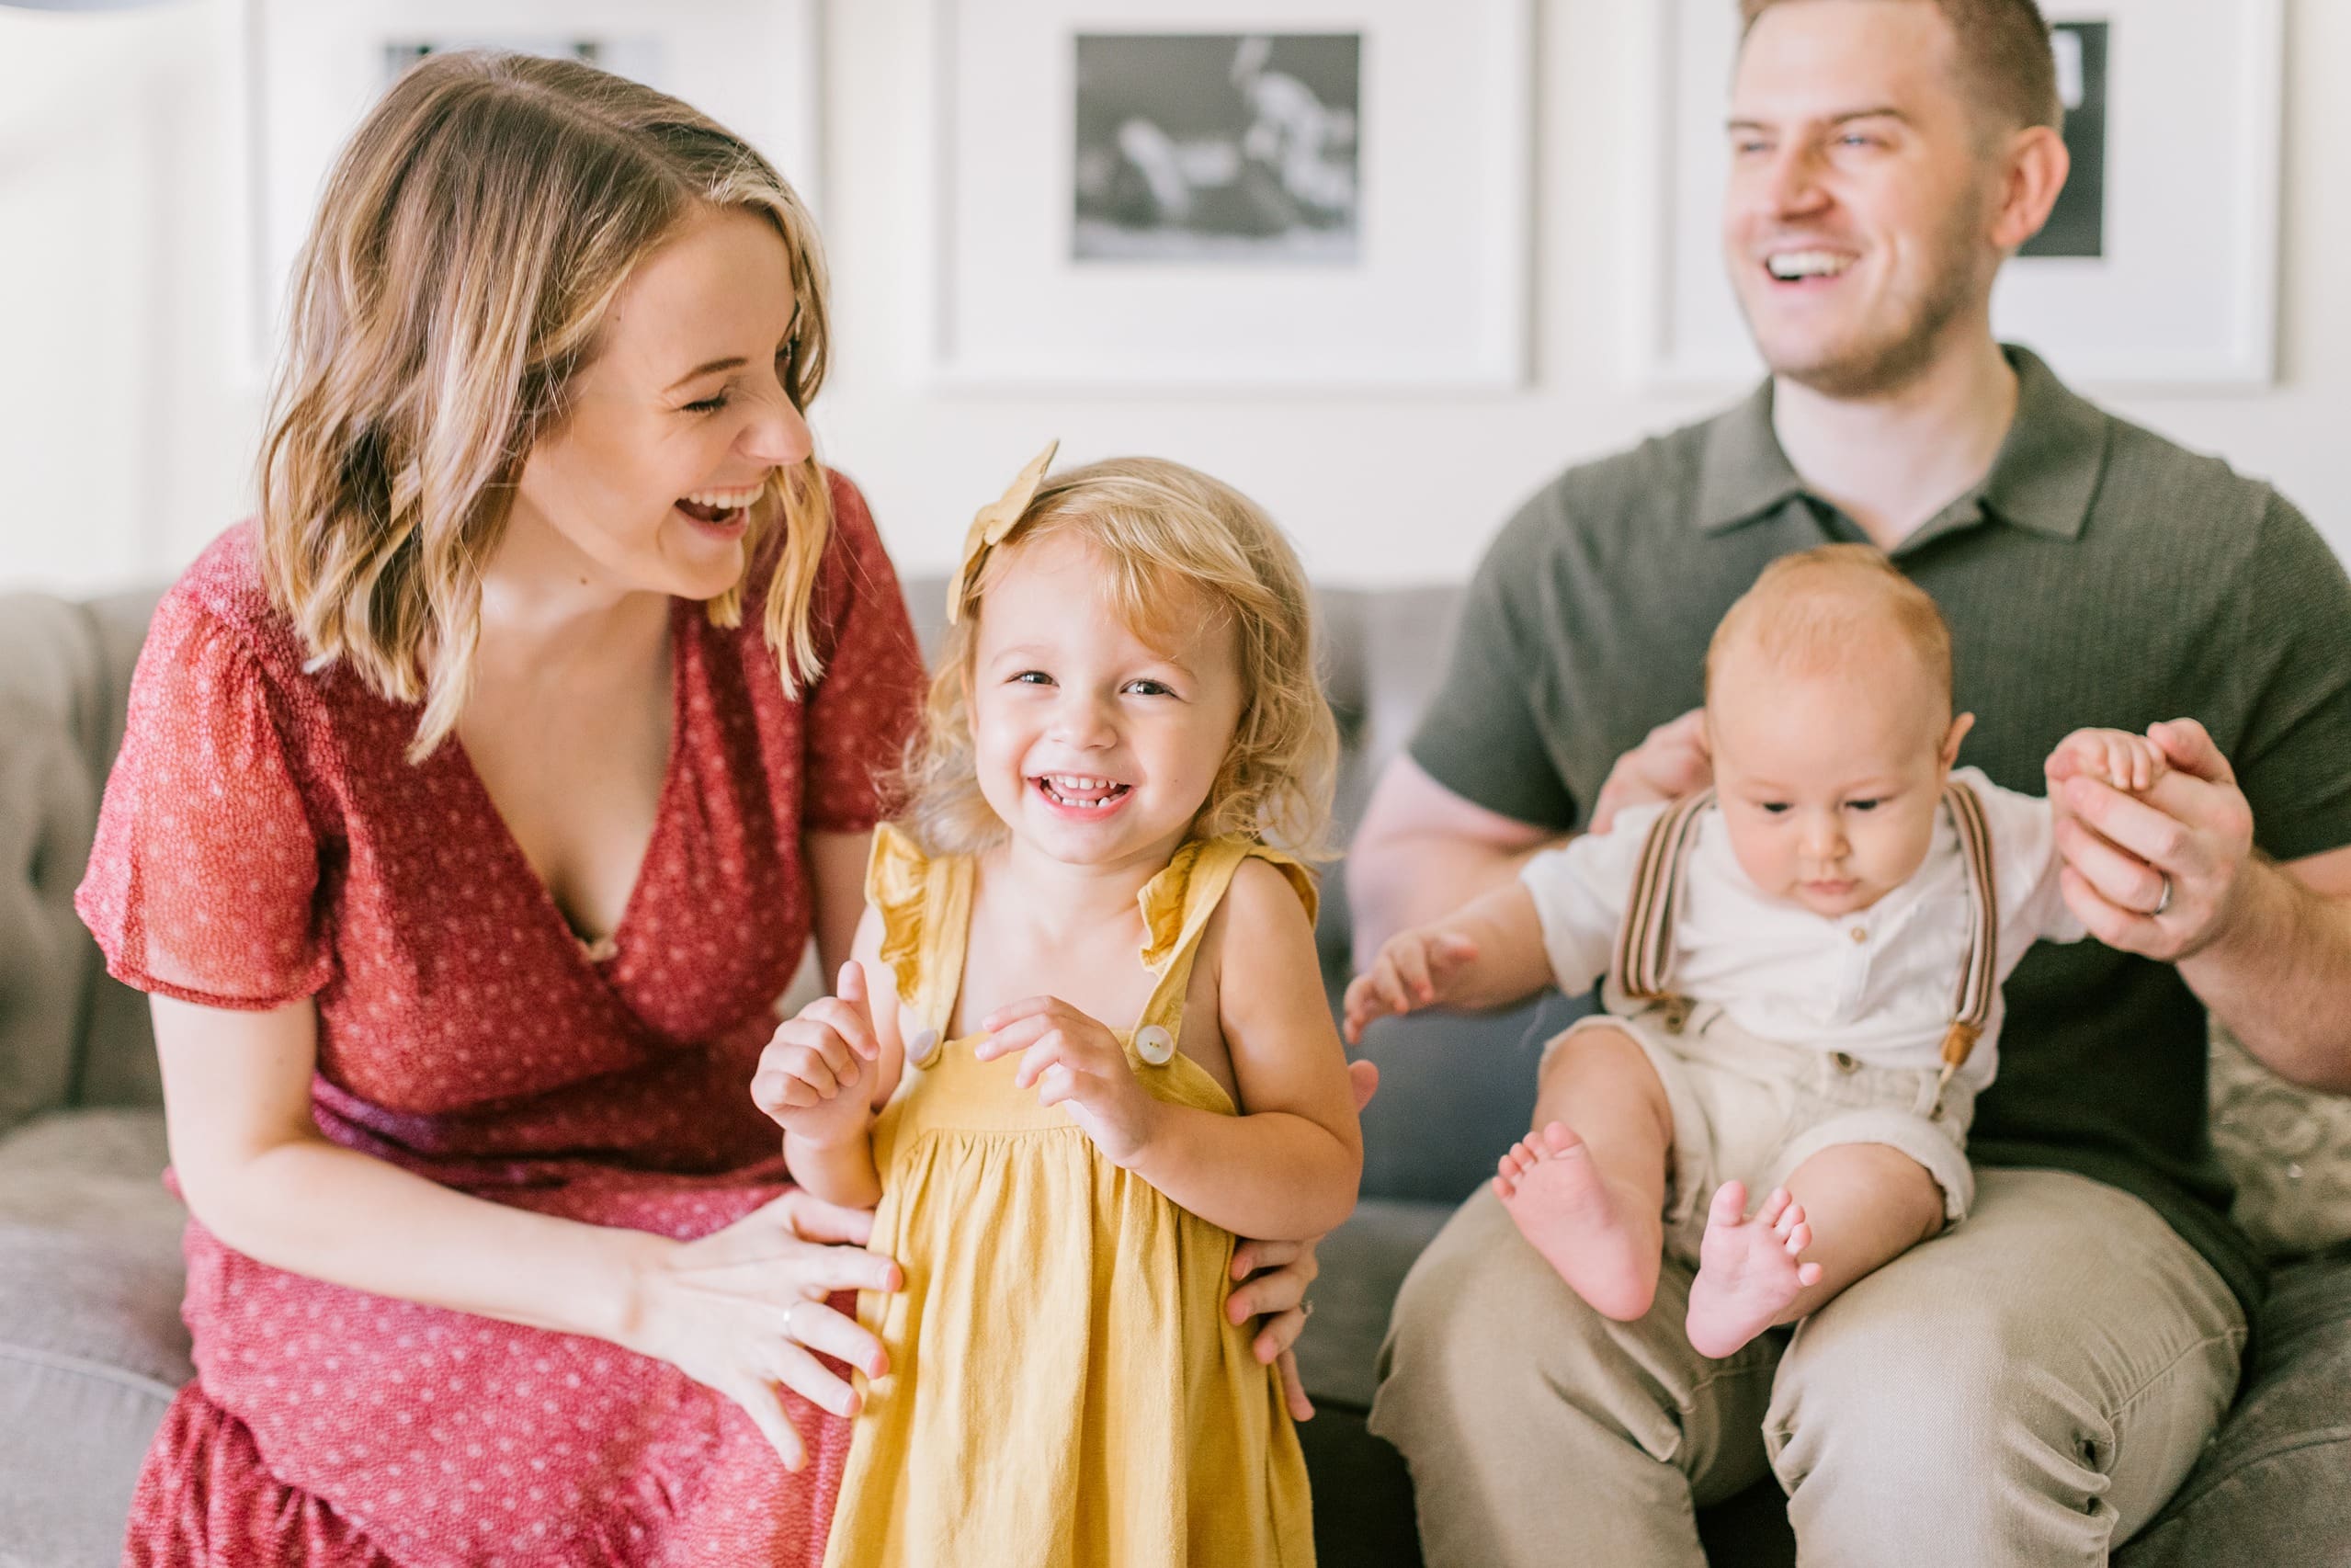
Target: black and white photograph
(310, 71)
(2078, 225)
(1216, 147)
(1254, 197)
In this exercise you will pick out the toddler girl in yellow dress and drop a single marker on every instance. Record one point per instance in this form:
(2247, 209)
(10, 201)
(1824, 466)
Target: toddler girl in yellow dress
(1082, 1042)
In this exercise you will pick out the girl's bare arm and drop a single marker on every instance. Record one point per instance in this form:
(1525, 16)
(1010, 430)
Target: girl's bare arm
(1289, 1166)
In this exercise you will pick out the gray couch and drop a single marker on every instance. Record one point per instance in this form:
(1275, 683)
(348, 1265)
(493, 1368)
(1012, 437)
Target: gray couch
(91, 1345)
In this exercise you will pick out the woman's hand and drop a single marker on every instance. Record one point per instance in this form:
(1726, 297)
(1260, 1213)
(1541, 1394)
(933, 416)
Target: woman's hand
(742, 1311)
(1070, 1057)
(1274, 1277)
(815, 1078)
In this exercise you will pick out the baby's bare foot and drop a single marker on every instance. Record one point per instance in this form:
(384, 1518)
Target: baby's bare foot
(1604, 1241)
(1748, 1270)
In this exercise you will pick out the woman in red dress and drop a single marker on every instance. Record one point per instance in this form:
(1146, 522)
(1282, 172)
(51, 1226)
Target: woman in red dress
(476, 806)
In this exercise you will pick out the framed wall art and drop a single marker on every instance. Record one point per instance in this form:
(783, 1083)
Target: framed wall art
(314, 70)
(1300, 193)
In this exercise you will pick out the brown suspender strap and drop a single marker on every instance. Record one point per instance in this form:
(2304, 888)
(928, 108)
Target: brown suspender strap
(1979, 975)
(1645, 936)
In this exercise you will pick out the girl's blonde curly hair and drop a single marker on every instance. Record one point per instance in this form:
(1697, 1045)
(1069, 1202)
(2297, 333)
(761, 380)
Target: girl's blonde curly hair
(471, 239)
(1172, 542)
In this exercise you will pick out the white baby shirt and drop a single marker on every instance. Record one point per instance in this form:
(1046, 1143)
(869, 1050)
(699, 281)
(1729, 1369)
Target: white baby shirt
(1876, 985)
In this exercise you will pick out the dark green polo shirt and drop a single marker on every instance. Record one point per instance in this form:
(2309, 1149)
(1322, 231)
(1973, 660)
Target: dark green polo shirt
(2099, 575)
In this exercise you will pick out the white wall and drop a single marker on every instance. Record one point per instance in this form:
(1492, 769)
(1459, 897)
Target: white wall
(127, 426)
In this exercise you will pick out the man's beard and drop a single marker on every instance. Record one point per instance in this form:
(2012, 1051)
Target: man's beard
(1880, 360)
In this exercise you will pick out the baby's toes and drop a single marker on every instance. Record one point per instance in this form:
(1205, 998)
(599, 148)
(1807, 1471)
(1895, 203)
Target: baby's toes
(1799, 1239)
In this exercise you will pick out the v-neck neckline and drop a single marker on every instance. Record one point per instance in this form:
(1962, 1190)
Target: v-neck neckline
(613, 942)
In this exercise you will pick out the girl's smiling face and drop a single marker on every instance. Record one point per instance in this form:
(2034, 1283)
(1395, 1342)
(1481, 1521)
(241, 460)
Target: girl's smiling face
(1096, 744)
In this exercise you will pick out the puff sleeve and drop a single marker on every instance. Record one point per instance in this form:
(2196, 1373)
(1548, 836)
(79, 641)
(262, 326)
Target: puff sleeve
(203, 881)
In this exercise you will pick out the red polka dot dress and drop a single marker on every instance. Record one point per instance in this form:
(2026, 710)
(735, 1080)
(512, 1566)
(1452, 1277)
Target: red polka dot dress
(264, 839)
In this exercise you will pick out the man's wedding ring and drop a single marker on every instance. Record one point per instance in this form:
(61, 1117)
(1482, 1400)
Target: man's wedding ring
(2165, 902)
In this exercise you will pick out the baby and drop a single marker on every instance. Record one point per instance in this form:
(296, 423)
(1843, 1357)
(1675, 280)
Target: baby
(1835, 919)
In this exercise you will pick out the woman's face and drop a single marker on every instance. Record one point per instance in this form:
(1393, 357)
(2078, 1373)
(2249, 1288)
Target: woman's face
(676, 424)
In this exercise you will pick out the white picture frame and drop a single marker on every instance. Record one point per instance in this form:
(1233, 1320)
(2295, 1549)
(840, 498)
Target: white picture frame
(313, 70)
(1426, 288)
(2183, 293)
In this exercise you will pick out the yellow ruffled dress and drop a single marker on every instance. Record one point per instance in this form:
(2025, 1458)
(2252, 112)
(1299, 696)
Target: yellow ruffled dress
(1064, 1391)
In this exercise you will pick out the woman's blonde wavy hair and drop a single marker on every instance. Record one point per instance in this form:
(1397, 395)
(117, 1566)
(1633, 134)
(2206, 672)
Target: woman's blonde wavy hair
(1173, 544)
(471, 236)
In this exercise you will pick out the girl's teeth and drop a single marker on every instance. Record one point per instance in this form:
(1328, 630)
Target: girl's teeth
(1089, 793)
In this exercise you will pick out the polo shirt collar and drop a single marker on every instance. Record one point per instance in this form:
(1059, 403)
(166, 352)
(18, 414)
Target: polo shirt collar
(1743, 474)
(2043, 478)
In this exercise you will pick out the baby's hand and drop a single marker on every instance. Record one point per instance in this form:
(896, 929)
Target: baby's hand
(1067, 1056)
(815, 1079)
(1411, 972)
(2118, 757)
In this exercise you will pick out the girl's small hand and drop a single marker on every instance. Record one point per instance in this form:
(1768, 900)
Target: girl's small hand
(1411, 972)
(1071, 1059)
(815, 1079)
(2117, 758)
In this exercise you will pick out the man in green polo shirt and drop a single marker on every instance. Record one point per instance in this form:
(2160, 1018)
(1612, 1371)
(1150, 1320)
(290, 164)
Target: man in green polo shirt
(2030, 1387)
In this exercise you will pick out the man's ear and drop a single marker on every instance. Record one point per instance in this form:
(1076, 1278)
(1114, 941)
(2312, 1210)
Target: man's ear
(1958, 732)
(2033, 171)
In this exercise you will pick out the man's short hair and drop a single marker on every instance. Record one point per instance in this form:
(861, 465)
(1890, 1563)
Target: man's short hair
(2004, 63)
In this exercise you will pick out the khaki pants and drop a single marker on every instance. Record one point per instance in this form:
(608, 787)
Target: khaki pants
(2027, 1389)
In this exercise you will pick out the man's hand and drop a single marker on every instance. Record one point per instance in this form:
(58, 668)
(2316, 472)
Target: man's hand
(1671, 763)
(2158, 874)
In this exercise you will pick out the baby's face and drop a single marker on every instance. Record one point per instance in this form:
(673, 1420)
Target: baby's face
(1829, 782)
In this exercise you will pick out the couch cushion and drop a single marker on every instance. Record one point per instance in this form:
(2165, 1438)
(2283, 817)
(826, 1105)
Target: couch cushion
(92, 1348)
(90, 1269)
(71, 1444)
(52, 712)
(1364, 1263)
(2287, 1149)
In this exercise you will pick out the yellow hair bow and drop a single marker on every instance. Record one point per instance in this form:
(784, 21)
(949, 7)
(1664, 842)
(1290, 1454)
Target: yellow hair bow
(994, 520)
